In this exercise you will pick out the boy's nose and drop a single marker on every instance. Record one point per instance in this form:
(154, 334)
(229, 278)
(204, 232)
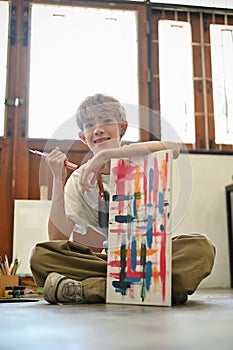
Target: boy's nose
(98, 129)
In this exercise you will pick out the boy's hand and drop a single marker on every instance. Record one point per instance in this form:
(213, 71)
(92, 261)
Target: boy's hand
(56, 162)
(90, 170)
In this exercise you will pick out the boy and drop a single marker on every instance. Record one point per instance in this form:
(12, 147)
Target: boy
(75, 271)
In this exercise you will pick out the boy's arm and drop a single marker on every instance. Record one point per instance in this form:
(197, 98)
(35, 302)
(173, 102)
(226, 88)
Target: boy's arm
(143, 148)
(92, 239)
(131, 150)
(59, 227)
(134, 149)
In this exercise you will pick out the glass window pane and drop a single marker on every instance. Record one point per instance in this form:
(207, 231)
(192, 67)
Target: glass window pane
(222, 58)
(78, 52)
(176, 82)
(4, 15)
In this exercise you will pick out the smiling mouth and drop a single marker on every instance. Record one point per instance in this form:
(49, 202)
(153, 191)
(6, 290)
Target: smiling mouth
(102, 140)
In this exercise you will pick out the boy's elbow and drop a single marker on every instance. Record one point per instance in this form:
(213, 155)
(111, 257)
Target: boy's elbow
(61, 233)
(176, 150)
(174, 147)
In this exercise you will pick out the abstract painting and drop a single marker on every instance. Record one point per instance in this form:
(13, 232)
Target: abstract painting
(139, 244)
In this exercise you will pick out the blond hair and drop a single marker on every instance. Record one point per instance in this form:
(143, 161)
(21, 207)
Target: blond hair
(99, 105)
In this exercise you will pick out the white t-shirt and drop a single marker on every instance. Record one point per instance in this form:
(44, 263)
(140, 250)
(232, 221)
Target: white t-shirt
(82, 207)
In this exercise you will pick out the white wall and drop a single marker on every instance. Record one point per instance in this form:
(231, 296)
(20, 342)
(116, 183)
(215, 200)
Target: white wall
(206, 212)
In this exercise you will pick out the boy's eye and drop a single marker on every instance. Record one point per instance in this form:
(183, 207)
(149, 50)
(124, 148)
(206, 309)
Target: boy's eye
(108, 120)
(89, 125)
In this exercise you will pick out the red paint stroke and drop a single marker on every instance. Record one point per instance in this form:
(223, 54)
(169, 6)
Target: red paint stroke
(163, 257)
(114, 263)
(115, 275)
(129, 272)
(154, 234)
(131, 292)
(117, 230)
(113, 208)
(121, 171)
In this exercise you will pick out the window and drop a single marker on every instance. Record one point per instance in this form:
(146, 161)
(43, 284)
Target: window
(71, 59)
(222, 58)
(176, 82)
(4, 15)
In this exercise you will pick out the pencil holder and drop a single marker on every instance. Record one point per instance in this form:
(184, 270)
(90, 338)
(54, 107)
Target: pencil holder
(6, 281)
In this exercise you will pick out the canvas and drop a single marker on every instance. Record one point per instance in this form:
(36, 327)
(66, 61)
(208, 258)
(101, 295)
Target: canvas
(139, 248)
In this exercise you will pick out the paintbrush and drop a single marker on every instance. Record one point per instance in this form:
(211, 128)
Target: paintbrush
(68, 164)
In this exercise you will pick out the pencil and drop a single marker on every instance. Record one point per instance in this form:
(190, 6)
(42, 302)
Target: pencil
(68, 164)
(6, 264)
(2, 269)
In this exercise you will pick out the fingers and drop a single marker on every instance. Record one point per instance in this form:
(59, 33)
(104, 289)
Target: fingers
(86, 183)
(87, 179)
(93, 179)
(55, 161)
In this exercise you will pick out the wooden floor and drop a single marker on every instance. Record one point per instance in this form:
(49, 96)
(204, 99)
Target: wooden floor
(205, 322)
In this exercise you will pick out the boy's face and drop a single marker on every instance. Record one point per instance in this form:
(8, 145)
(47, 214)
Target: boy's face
(102, 132)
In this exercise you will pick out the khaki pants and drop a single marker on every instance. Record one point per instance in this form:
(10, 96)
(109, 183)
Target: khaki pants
(192, 260)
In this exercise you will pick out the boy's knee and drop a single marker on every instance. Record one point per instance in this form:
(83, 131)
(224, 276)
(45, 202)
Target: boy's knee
(33, 259)
(193, 244)
(35, 266)
(192, 260)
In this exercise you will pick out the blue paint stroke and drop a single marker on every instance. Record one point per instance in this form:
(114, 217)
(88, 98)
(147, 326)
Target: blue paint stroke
(148, 274)
(134, 253)
(151, 179)
(118, 290)
(121, 197)
(162, 228)
(135, 208)
(161, 203)
(121, 286)
(149, 205)
(133, 279)
(149, 231)
(143, 264)
(124, 219)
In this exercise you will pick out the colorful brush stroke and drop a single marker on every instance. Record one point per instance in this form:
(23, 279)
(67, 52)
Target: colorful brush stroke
(139, 246)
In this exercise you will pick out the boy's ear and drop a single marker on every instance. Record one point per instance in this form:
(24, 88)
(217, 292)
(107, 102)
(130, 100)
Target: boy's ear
(82, 137)
(124, 126)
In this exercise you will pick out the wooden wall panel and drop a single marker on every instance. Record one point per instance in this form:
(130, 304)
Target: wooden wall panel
(6, 203)
(197, 66)
(195, 27)
(182, 16)
(200, 126)
(198, 96)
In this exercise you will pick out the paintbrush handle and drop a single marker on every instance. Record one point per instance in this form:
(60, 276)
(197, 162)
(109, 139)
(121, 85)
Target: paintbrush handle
(68, 164)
